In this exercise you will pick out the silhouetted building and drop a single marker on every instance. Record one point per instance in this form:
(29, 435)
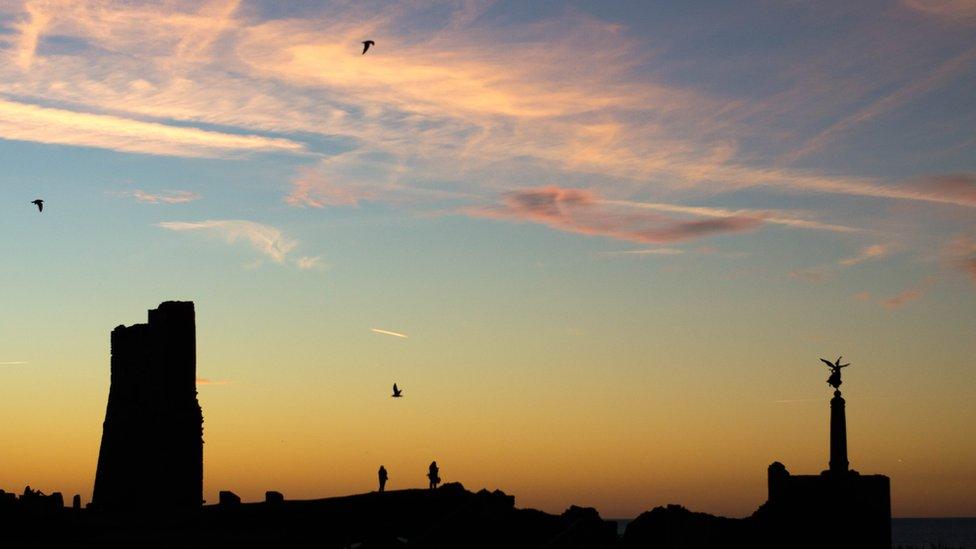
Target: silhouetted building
(152, 438)
(226, 498)
(274, 497)
(837, 508)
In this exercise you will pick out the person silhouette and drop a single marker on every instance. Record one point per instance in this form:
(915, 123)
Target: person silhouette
(433, 475)
(383, 477)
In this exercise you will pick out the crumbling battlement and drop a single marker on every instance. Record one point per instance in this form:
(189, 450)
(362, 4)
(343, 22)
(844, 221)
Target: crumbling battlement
(152, 438)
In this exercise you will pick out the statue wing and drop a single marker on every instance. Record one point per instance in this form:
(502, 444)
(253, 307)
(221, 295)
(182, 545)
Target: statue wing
(827, 362)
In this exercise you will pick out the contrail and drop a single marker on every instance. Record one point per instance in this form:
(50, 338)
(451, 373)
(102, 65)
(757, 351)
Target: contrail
(14, 363)
(386, 332)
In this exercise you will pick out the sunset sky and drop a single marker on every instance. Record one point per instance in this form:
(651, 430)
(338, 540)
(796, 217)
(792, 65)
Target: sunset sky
(599, 245)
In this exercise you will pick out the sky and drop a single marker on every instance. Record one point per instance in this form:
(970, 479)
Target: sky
(600, 246)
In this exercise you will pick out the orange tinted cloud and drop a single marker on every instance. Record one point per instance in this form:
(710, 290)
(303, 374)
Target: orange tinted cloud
(26, 122)
(901, 299)
(868, 253)
(205, 381)
(30, 30)
(564, 92)
(961, 254)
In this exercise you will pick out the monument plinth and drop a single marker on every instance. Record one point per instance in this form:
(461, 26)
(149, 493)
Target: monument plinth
(838, 435)
(837, 508)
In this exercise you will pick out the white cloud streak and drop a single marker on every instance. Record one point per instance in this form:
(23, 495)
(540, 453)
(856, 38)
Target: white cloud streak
(876, 251)
(264, 238)
(388, 332)
(168, 197)
(27, 122)
(649, 251)
(307, 263)
(775, 217)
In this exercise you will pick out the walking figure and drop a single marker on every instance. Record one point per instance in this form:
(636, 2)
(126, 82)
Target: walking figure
(433, 475)
(383, 477)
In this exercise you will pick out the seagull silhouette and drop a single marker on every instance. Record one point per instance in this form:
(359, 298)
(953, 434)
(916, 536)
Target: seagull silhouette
(367, 44)
(397, 393)
(39, 203)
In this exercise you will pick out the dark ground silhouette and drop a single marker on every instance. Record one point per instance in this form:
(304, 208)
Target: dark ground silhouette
(148, 487)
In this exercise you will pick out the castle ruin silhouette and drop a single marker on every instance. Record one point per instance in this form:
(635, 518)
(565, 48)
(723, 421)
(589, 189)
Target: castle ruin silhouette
(152, 439)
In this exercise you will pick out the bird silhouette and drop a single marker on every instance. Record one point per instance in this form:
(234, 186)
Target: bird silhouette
(397, 393)
(39, 203)
(367, 44)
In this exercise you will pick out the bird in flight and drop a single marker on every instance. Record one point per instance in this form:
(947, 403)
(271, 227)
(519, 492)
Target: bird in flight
(367, 44)
(397, 393)
(39, 203)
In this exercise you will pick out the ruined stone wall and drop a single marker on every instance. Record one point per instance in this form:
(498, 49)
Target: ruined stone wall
(152, 439)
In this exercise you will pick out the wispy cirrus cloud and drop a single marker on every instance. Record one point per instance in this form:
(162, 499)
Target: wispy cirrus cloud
(307, 263)
(265, 239)
(903, 298)
(908, 295)
(774, 217)
(29, 29)
(822, 273)
(167, 197)
(960, 254)
(460, 93)
(648, 251)
(936, 78)
(14, 363)
(956, 11)
(581, 211)
(862, 296)
(27, 122)
(466, 107)
(868, 253)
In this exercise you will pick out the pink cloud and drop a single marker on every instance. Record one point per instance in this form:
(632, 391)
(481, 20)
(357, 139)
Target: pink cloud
(961, 254)
(959, 187)
(314, 189)
(581, 211)
(868, 253)
(901, 299)
(956, 11)
(862, 296)
(813, 274)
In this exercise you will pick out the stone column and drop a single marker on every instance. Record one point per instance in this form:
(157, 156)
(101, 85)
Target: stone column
(838, 435)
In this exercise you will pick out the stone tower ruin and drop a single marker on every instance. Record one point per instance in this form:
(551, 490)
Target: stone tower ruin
(152, 439)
